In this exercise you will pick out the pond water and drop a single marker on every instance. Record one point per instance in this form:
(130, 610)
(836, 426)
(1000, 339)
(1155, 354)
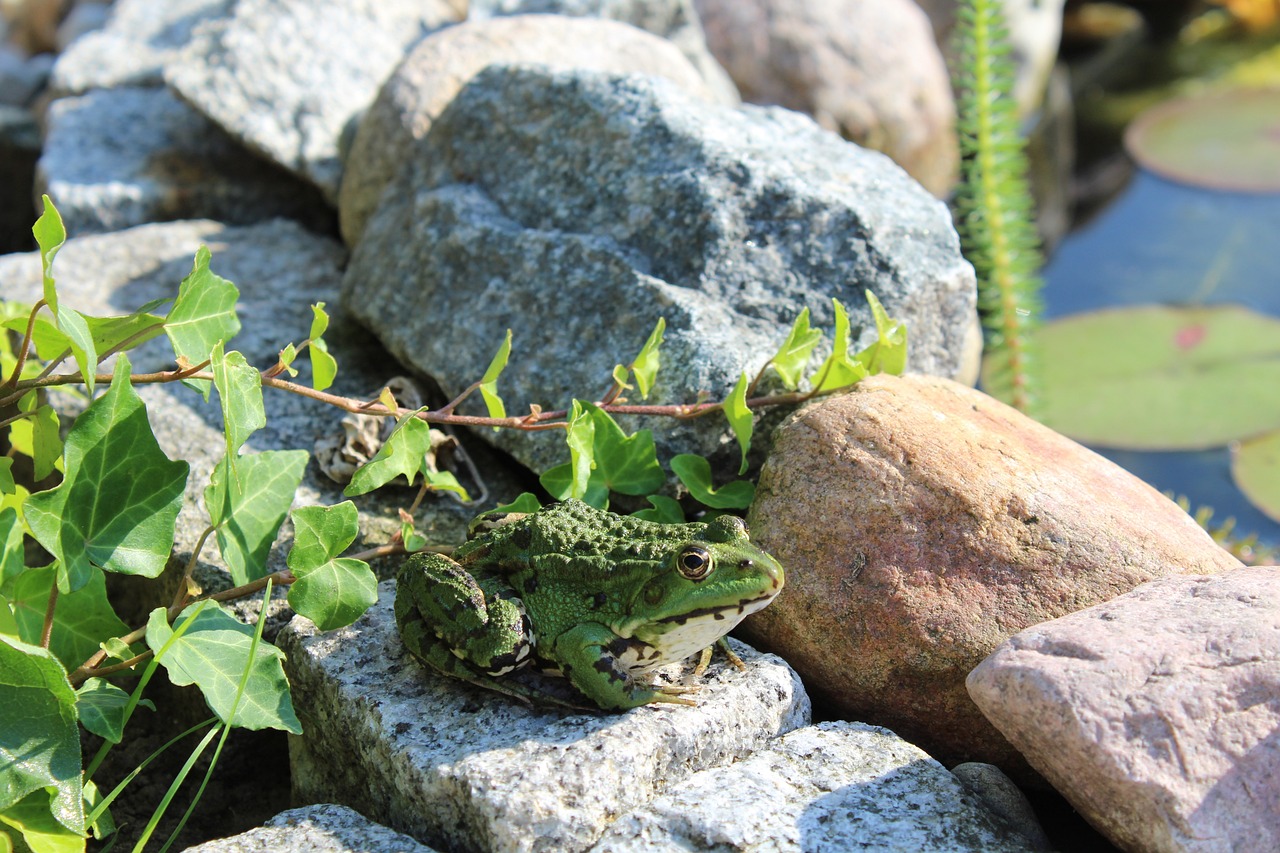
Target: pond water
(1163, 242)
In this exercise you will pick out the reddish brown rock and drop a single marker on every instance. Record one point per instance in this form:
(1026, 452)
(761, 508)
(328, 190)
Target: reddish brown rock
(1156, 714)
(921, 524)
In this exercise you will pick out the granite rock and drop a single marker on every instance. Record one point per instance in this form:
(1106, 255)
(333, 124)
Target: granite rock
(114, 158)
(1004, 799)
(1156, 714)
(834, 786)
(322, 828)
(673, 20)
(867, 69)
(578, 208)
(287, 77)
(922, 523)
(433, 72)
(468, 769)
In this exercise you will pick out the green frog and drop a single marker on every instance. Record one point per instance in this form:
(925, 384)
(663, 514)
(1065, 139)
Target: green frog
(599, 598)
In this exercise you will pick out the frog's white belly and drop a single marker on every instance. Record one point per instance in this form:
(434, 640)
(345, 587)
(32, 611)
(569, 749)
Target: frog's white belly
(684, 636)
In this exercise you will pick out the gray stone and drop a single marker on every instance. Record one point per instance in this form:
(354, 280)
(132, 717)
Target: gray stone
(1157, 714)
(115, 158)
(280, 269)
(323, 828)
(140, 38)
(834, 786)
(83, 18)
(433, 72)
(674, 20)
(577, 208)
(286, 77)
(867, 69)
(1003, 799)
(22, 77)
(468, 769)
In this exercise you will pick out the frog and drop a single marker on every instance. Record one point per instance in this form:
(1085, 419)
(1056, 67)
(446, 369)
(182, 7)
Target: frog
(598, 598)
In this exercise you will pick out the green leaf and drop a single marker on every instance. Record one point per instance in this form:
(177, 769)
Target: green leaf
(646, 364)
(665, 510)
(38, 436)
(118, 502)
(627, 464)
(839, 371)
(50, 235)
(413, 541)
(1156, 377)
(790, 359)
(580, 436)
(247, 505)
(889, 352)
(109, 332)
(203, 314)
(212, 653)
(39, 740)
(524, 502)
(1255, 466)
(240, 392)
(695, 472)
(101, 707)
(40, 831)
(403, 454)
(11, 551)
(8, 625)
(620, 374)
(7, 486)
(287, 355)
(558, 482)
(82, 620)
(739, 417)
(445, 481)
(489, 382)
(324, 367)
(331, 591)
(319, 322)
(76, 329)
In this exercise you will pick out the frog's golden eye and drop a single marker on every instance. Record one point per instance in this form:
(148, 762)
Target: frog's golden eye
(694, 562)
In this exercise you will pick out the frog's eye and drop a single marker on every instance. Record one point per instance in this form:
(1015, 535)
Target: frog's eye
(694, 562)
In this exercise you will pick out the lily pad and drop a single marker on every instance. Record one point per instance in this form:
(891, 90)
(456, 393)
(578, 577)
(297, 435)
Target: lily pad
(1255, 466)
(1161, 378)
(1227, 141)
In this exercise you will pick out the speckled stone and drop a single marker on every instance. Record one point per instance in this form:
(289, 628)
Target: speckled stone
(834, 786)
(322, 828)
(468, 769)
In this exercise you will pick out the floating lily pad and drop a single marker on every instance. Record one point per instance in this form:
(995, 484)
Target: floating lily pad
(1255, 466)
(1161, 378)
(1227, 141)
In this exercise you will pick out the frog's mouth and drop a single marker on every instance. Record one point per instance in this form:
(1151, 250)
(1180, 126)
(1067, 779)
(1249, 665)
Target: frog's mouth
(723, 612)
(673, 638)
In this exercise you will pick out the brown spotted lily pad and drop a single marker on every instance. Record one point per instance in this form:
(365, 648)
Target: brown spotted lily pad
(1226, 141)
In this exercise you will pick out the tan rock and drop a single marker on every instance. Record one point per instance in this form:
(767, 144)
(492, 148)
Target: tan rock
(921, 524)
(1156, 714)
(867, 69)
(433, 72)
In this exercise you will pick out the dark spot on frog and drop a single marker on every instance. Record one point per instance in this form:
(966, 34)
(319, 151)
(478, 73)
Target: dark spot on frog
(605, 666)
(522, 537)
(530, 584)
(582, 546)
(599, 600)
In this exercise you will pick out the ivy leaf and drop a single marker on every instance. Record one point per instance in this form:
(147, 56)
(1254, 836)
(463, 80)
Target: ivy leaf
(118, 502)
(8, 625)
(109, 332)
(889, 352)
(248, 502)
(11, 552)
(646, 364)
(620, 374)
(82, 620)
(627, 464)
(739, 417)
(695, 472)
(665, 510)
(524, 502)
(445, 481)
(331, 591)
(287, 355)
(324, 367)
(581, 440)
(838, 371)
(413, 540)
(319, 322)
(39, 741)
(50, 235)
(790, 359)
(203, 314)
(73, 325)
(489, 382)
(558, 482)
(403, 454)
(239, 387)
(38, 436)
(101, 707)
(212, 653)
(40, 831)
(7, 486)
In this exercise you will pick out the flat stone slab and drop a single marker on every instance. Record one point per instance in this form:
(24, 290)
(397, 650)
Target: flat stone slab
(323, 828)
(469, 769)
(1156, 714)
(833, 786)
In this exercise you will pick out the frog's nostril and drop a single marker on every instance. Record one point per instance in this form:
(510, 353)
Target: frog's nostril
(745, 564)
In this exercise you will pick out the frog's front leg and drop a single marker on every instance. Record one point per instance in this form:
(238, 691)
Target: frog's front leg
(589, 664)
(446, 616)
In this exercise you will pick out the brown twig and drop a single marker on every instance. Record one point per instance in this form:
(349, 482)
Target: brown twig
(48, 616)
(26, 345)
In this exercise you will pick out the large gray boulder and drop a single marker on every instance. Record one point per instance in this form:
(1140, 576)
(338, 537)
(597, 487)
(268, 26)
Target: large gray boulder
(576, 208)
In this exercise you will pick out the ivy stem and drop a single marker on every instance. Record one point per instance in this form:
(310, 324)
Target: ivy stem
(48, 617)
(183, 592)
(26, 345)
